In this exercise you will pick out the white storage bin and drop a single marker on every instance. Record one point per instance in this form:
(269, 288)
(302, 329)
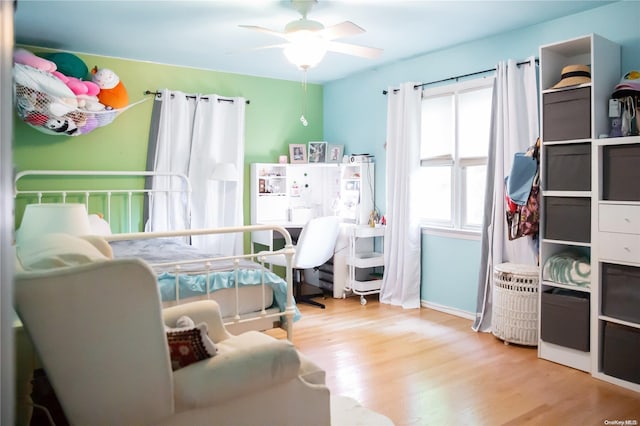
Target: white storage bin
(515, 303)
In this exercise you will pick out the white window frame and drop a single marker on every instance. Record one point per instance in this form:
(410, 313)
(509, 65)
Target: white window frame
(458, 165)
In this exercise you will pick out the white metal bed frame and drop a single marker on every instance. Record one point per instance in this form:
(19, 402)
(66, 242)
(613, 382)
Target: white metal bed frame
(183, 181)
(63, 194)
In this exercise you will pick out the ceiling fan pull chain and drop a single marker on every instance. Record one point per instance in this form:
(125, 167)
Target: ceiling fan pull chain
(303, 120)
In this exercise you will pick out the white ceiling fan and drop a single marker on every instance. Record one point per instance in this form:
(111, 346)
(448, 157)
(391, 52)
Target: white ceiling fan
(308, 40)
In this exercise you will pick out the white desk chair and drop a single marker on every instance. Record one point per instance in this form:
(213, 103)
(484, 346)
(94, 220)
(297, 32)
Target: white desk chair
(315, 246)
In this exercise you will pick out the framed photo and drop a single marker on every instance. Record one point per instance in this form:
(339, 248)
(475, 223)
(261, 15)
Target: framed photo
(317, 152)
(297, 153)
(334, 153)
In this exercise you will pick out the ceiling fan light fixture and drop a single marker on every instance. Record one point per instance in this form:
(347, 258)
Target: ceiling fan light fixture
(309, 40)
(306, 50)
(303, 25)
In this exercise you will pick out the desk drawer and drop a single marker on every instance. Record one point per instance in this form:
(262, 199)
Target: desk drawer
(619, 247)
(623, 218)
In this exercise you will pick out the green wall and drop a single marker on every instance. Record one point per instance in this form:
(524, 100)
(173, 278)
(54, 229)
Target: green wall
(272, 119)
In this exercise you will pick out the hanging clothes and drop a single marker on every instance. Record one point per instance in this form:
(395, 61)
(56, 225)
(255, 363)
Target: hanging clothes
(523, 194)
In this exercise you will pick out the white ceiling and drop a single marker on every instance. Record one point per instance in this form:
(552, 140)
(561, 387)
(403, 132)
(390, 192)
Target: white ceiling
(206, 34)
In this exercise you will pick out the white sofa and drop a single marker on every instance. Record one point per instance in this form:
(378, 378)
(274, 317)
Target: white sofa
(98, 328)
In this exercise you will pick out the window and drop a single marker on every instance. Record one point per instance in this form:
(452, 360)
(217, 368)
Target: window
(456, 122)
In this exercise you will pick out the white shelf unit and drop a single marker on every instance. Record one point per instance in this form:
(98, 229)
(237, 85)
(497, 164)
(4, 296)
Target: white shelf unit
(616, 227)
(603, 57)
(356, 192)
(269, 198)
(344, 189)
(365, 261)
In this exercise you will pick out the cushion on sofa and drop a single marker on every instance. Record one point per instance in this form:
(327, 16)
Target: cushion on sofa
(100, 243)
(57, 251)
(310, 372)
(245, 363)
(188, 343)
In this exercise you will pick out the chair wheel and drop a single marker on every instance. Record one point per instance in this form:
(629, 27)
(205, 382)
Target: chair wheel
(363, 300)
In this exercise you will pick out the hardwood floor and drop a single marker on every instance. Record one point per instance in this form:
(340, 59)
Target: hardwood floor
(424, 367)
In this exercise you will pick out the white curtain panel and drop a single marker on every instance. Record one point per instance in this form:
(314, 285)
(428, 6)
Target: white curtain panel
(514, 128)
(218, 138)
(196, 132)
(401, 280)
(172, 152)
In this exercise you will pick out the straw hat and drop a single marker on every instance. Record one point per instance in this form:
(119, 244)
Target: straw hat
(574, 74)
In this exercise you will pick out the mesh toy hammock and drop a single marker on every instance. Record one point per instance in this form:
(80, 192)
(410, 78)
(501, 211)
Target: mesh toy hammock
(45, 103)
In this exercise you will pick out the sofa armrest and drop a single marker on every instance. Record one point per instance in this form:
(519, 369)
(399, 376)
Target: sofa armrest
(207, 311)
(236, 370)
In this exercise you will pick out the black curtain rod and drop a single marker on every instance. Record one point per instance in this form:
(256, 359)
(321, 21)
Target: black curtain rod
(384, 92)
(149, 92)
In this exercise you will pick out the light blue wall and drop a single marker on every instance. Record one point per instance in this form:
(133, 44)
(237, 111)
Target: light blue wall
(451, 284)
(355, 109)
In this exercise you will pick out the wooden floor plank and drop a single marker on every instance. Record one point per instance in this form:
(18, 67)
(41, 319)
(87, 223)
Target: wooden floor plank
(424, 367)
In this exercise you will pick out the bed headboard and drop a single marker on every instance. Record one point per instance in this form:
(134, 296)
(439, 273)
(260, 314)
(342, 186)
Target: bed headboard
(122, 197)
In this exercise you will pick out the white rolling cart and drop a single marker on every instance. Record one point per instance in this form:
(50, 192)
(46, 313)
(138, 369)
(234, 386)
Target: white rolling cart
(365, 264)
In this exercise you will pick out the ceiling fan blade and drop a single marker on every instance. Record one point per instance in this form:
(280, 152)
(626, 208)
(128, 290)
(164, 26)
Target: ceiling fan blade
(343, 29)
(264, 30)
(353, 49)
(251, 49)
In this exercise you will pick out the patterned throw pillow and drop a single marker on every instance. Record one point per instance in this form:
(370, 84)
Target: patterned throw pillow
(189, 343)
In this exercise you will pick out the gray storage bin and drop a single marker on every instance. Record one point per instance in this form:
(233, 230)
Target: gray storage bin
(621, 349)
(567, 115)
(621, 292)
(567, 219)
(567, 167)
(564, 318)
(621, 172)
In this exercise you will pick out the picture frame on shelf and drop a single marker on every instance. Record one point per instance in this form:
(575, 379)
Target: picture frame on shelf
(317, 152)
(297, 153)
(334, 153)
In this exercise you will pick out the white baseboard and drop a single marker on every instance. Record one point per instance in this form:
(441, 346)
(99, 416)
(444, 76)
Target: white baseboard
(448, 310)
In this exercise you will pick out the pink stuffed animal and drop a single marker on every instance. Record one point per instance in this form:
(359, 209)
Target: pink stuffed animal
(24, 57)
(81, 87)
(77, 86)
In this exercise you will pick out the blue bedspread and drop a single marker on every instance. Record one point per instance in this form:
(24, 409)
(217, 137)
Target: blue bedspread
(193, 282)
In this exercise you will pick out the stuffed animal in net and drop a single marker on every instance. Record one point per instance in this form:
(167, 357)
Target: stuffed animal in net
(24, 57)
(68, 64)
(112, 92)
(61, 125)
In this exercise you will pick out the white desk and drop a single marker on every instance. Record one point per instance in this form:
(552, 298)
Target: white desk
(266, 238)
